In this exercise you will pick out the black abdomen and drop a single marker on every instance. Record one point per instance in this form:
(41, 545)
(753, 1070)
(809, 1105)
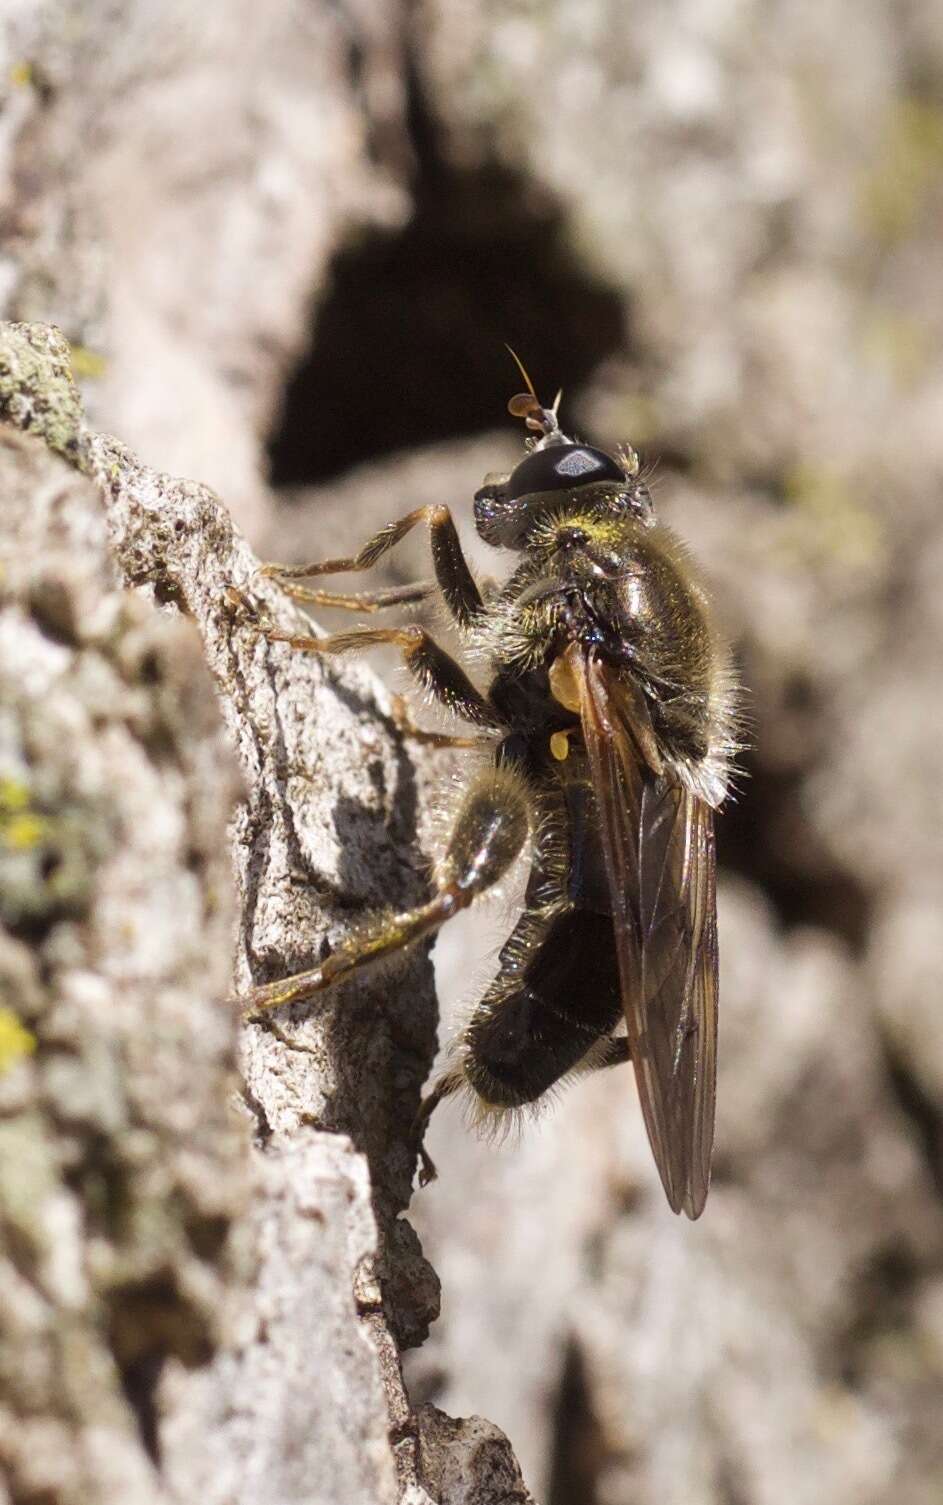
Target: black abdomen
(566, 999)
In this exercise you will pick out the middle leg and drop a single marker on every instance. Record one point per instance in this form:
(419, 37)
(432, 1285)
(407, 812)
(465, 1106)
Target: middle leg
(405, 723)
(363, 601)
(436, 671)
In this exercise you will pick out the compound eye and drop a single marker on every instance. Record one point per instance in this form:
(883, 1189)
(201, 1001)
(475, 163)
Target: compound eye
(561, 467)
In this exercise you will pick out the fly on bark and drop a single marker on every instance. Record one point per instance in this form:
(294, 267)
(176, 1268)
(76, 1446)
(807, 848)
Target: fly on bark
(601, 726)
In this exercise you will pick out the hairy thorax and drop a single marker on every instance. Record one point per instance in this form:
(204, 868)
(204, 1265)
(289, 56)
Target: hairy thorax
(627, 592)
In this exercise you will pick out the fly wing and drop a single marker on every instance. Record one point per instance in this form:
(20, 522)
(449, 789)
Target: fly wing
(658, 846)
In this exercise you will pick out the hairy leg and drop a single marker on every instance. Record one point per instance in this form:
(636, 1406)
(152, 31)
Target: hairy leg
(436, 670)
(362, 601)
(489, 833)
(454, 578)
(403, 719)
(616, 1053)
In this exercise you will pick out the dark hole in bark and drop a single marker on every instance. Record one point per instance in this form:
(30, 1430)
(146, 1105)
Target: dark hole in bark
(408, 346)
(924, 1114)
(148, 1321)
(150, 669)
(882, 1308)
(139, 1382)
(578, 1445)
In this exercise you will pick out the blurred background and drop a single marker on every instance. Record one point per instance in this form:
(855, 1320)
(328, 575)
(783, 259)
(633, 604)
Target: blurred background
(287, 243)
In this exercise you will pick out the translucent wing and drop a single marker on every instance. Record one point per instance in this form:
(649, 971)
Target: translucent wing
(658, 845)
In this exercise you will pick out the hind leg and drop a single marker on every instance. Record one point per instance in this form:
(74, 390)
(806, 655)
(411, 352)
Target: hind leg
(615, 1053)
(490, 832)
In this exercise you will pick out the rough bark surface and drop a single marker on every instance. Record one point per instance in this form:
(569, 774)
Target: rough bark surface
(763, 188)
(176, 178)
(122, 1162)
(717, 226)
(300, 1396)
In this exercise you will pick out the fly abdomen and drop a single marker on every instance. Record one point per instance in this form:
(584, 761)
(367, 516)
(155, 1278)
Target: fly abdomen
(538, 1021)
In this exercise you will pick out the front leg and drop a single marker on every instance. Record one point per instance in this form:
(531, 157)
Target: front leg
(435, 670)
(455, 579)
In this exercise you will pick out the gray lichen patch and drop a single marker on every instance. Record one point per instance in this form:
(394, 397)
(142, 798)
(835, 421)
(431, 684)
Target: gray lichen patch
(117, 1002)
(326, 839)
(36, 387)
(122, 1166)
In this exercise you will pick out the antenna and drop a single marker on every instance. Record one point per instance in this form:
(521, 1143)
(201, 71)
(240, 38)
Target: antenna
(523, 370)
(527, 405)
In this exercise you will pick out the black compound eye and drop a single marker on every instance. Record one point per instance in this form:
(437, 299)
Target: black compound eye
(560, 467)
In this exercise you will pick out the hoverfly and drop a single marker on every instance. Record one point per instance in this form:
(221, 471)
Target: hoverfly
(611, 726)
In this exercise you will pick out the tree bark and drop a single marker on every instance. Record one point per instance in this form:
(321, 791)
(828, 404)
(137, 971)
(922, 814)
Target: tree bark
(211, 1281)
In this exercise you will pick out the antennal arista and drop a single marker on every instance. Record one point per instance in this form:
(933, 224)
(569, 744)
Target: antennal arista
(527, 405)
